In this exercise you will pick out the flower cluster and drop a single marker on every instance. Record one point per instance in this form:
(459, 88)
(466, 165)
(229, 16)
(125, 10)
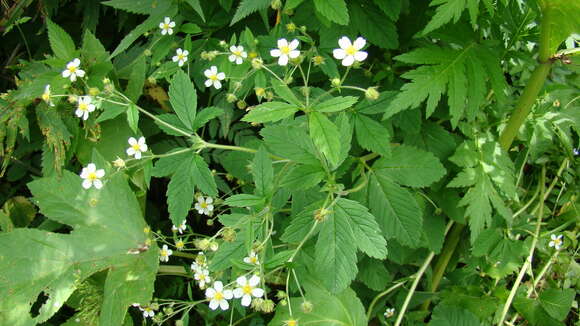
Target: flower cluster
(246, 289)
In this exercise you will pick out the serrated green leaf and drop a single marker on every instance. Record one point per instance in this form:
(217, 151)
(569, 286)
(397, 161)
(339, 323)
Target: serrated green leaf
(133, 6)
(374, 274)
(396, 210)
(557, 303)
(303, 177)
(60, 42)
(410, 166)
(300, 149)
(533, 312)
(263, 173)
(174, 121)
(301, 224)
(166, 166)
(133, 117)
(270, 112)
(183, 98)
(374, 25)
(206, 115)
(372, 135)
(244, 200)
(111, 110)
(136, 80)
(449, 10)
(336, 252)
(333, 10)
(190, 28)
(203, 177)
(228, 252)
(248, 7)
(343, 308)
(336, 104)
(365, 228)
(445, 315)
(180, 190)
(197, 7)
(325, 136)
(34, 261)
(285, 93)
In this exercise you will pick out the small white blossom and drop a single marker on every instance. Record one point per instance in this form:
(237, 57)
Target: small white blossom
(576, 151)
(92, 176)
(164, 253)
(252, 259)
(179, 244)
(390, 312)
(247, 289)
(556, 241)
(167, 26)
(202, 277)
(179, 228)
(350, 52)
(147, 312)
(218, 296)
(137, 147)
(285, 51)
(72, 70)
(204, 205)
(180, 57)
(84, 107)
(46, 95)
(214, 77)
(238, 54)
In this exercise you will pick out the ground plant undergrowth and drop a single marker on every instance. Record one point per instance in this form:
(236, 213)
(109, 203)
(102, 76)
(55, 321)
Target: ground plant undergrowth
(289, 162)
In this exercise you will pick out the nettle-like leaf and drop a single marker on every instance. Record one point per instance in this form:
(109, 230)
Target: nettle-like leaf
(449, 10)
(461, 73)
(183, 98)
(350, 226)
(60, 42)
(107, 233)
(343, 308)
(333, 10)
(489, 174)
(445, 315)
(398, 213)
(248, 7)
(325, 135)
(133, 6)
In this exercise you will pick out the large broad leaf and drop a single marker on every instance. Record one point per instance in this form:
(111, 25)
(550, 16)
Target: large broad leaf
(456, 316)
(557, 303)
(343, 309)
(411, 167)
(61, 43)
(560, 19)
(107, 231)
(325, 136)
(183, 98)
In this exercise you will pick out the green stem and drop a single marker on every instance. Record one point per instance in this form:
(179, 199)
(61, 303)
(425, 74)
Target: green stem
(172, 270)
(184, 254)
(528, 263)
(444, 258)
(380, 295)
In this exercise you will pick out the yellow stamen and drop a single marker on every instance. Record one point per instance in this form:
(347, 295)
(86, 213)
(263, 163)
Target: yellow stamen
(92, 176)
(218, 296)
(83, 107)
(285, 50)
(72, 69)
(136, 147)
(351, 50)
(247, 289)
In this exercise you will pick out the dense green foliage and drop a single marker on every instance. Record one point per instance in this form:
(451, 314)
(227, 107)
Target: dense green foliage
(289, 162)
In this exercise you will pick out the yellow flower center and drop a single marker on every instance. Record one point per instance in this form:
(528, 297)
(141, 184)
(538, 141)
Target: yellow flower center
(247, 289)
(165, 26)
(218, 296)
(92, 176)
(351, 50)
(285, 50)
(253, 259)
(72, 69)
(214, 78)
(83, 107)
(46, 97)
(181, 57)
(204, 205)
(202, 277)
(292, 322)
(136, 147)
(557, 242)
(179, 244)
(164, 252)
(237, 53)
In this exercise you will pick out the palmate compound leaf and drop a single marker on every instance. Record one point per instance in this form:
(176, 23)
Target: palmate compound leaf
(461, 73)
(489, 175)
(107, 225)
(329, 309)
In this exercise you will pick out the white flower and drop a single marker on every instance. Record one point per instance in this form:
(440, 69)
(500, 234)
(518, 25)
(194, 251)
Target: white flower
(576, 151)
(238, 54)
(164, 253)
(181, 57)
(390, 312)
(204, 206)
(179, 228)
(556, 241)
(84, 107)
(248, 289)
(179, 244)
(92, 176)
(137, 147)
(147, 312)
(285, 50)
(72, 70)
(167, 26)
(218, 296)
(46, 95)
(350, 52)
(202, 277)
(252, 259)
(214, 77)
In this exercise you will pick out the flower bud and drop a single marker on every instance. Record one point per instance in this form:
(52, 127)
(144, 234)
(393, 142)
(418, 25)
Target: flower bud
(260, 91)
(93, 91)
(147, 53)
(214, 246)
(223, 44)
(257, 63)
(269, 95)
(209, 222)
(335, 82)
(305, 91)
(320, 214)
(229, 234)
(202, 244)
(119, 163)
(241, 104)
(267, 306)
(307, 307)
(372, 93)
(152, 80)
(291, 27)
(231, 98)
(276, 4)
(318, 60)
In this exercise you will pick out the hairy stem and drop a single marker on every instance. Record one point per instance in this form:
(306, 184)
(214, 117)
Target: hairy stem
(380, 295)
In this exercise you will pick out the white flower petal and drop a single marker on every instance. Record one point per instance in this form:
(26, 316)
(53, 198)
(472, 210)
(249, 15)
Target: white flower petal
(213, 304)
(257, 292)
(339, 53)
(100, 173)
(348, 61)
(275, 53)
(294, 54)
(294, 44)
(79, 113)
(130, 151)
(232, 57)
(246, 300)
(254, 280)
(239, 60)
(282, 43)
(344, 42)
(218, 286)
(283, 60)
(132, 141)
(221, 76)
(80, 73)
(66, 73)
(213, 70)
(360, 55)
(210, 293)
(161, 25)
(76, 62)
(87, 183)
(224, 305)
(359, 43)
(91, 167)
(217, 84)
(138, 155)
(228, 294)
(98, 183)
(238, 293)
